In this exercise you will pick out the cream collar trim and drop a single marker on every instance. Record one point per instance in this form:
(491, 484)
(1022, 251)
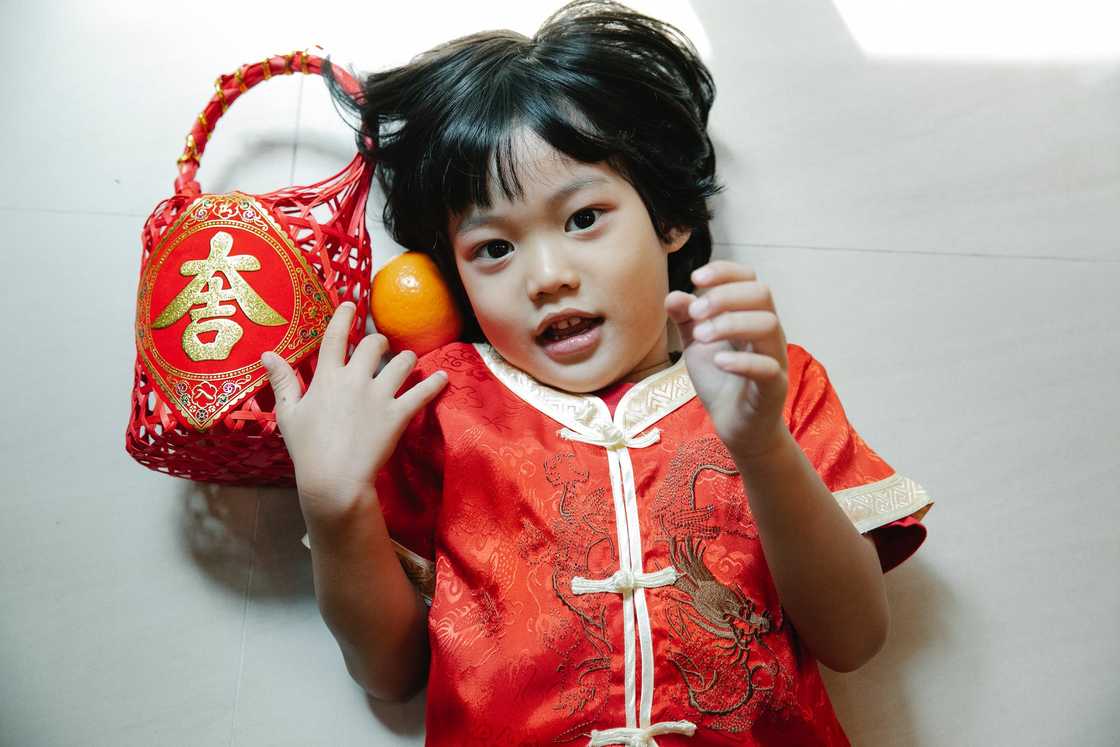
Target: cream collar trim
(648, 401)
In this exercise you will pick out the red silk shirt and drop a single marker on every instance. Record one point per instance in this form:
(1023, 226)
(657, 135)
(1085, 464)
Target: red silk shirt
(594, 573)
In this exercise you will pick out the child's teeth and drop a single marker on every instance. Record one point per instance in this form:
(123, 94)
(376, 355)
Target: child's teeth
(559, 329)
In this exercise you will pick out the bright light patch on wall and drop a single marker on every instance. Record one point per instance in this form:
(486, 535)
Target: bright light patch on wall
(985, 29)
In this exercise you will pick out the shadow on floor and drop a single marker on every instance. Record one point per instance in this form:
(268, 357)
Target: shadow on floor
(248, 540)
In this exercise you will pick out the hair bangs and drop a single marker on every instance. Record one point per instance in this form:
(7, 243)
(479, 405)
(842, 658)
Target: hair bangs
(481, 148)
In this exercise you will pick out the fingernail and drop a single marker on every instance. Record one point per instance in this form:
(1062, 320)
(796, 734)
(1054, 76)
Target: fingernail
(701, 276)
(702, 331)
(698, 308)
(266, 359)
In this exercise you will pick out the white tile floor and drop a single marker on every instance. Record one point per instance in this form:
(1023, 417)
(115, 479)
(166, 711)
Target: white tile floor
(943, 235)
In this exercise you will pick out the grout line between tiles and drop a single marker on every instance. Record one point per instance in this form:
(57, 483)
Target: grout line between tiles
(922, 252)
(245, 619)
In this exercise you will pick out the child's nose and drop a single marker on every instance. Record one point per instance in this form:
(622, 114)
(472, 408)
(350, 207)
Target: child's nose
(550, 273)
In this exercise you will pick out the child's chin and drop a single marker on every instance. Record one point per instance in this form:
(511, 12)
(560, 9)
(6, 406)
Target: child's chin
(578, 378)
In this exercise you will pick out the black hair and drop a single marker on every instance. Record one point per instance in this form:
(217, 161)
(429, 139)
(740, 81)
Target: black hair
(598, 82)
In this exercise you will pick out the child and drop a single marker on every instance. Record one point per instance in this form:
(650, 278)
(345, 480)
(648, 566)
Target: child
(619, 544)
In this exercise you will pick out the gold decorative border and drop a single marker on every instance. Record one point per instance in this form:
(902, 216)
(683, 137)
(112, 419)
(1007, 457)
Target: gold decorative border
(297, 267)
(297, 312)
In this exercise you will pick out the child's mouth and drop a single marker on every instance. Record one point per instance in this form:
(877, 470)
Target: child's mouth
(583, 334)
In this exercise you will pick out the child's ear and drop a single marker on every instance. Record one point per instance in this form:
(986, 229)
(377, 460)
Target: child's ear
(678, 237)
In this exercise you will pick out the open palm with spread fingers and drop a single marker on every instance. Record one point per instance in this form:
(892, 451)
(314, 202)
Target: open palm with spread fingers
(347, 424)
(735, 351)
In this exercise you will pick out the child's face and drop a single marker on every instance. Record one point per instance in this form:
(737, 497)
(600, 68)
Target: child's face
(591, 250)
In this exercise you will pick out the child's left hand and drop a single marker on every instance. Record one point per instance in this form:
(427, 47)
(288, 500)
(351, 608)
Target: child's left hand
(735, 351)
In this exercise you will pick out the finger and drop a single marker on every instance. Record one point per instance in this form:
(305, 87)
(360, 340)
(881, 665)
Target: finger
(332, 349)
(768, 374)
(736, 296)
(423, 393)
(284, 383)
(721, 271)
(371, 349)
(762, 368)
(396, 371)
(760, 328)
(676, 306)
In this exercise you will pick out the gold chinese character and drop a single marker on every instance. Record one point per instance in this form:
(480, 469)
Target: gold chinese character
(205, 275)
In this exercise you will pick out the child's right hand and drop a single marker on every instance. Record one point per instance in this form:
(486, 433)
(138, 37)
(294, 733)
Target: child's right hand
(341, 432)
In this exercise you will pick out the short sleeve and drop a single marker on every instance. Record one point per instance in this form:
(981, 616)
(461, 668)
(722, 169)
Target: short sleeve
(409, 487)
(880, 502)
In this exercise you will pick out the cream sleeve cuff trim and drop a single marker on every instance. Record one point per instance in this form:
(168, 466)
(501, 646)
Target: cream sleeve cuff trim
(878, 503)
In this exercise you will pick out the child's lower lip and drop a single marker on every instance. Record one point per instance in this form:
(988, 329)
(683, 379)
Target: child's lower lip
(569, 346)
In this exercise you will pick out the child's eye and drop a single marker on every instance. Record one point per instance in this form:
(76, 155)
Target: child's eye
(585, 218)
(502, 248)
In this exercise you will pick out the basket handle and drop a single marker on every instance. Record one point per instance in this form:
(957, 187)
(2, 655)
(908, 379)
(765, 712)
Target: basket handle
(229, 88)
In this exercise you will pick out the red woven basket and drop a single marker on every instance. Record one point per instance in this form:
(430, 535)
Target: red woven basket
(224, 277)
